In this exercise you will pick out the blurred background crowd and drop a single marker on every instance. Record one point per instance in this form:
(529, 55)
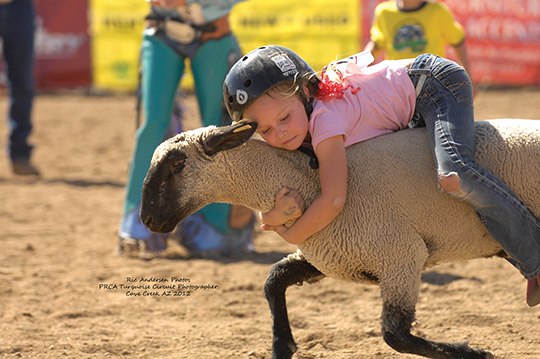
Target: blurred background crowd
(96, 43)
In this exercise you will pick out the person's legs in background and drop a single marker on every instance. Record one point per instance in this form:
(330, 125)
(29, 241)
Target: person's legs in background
(162, 70)
(17, 30)
(218, 226)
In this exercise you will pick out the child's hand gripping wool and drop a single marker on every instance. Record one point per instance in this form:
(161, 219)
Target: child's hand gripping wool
(289, 206)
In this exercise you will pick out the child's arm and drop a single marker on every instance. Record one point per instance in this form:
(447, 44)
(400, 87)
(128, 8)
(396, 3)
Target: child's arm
(372, 47)
(323, 210)
(289, 205)
(169, 4)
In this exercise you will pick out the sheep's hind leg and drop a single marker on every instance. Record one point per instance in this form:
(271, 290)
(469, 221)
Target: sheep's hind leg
(289, 271)
(397, 334)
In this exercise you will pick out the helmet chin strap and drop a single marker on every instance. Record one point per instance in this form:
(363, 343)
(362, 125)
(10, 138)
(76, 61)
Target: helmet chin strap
(308, 106)
(313, 161)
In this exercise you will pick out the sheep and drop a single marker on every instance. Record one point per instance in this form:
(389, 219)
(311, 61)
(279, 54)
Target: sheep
(396, 222)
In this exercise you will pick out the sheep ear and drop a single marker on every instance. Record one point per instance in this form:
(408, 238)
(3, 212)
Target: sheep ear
(227, 137)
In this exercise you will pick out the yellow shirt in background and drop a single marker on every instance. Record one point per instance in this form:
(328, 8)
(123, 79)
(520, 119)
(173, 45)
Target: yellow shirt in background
(409, 33)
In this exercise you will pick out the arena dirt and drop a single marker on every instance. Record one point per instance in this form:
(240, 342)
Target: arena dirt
(65, 294)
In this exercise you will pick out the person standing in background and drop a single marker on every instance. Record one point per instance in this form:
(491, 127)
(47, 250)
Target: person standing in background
(404, 29)
(17, 27)
(178, 30)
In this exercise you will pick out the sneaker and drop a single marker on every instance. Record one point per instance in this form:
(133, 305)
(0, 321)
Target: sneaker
(23, 167)
(199, 236)
(136, 240)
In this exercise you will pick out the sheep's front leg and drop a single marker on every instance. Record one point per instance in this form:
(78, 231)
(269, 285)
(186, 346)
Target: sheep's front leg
(291, 270)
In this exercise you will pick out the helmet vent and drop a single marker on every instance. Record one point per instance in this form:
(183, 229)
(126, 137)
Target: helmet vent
(244, 58)
(247, 83)
(231, 99)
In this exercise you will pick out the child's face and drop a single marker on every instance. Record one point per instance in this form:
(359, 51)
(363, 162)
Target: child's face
(282, 120)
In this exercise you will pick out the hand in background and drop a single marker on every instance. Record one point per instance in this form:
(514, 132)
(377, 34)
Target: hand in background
(169, 4)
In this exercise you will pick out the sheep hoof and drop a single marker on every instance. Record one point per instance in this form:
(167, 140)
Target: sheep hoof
(283, 348)
(480, 354)
(463, 350)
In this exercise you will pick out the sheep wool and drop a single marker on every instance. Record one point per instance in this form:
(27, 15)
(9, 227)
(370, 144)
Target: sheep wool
(396, 222)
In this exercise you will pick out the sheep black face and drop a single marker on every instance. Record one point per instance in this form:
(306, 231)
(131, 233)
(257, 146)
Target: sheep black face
(159, 191)
(177, 171)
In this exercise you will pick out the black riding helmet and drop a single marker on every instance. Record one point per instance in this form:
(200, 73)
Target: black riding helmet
(259, 71)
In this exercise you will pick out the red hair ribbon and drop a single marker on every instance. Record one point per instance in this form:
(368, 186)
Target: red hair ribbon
(331, 85)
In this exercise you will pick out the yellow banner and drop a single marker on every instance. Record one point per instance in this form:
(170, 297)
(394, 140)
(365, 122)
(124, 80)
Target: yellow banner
(318, 30)
(116, 30)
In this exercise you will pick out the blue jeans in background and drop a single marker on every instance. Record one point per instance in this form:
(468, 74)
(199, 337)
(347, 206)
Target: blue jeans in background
(445, 104)
(17, 32)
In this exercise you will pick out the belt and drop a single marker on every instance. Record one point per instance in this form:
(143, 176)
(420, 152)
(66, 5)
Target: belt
(221, 28)
(420, 84)
(187, 33)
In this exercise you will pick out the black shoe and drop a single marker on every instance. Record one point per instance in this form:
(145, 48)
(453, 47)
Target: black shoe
(23, 167)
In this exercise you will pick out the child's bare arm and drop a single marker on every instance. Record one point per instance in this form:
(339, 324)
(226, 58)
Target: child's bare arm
(289, 205)
(323, 210)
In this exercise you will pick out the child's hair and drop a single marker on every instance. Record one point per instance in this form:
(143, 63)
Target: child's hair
(329, 85)
(309, 81)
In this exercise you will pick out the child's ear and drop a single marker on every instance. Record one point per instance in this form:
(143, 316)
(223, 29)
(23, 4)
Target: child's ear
(307, 93)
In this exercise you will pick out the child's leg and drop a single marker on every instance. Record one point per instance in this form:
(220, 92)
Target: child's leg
(445, 104)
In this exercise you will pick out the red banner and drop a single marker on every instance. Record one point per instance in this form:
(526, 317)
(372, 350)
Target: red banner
(62, 44)
(503, 38)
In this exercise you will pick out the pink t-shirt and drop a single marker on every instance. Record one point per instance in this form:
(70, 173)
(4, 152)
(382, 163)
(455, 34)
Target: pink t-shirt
(384, 103)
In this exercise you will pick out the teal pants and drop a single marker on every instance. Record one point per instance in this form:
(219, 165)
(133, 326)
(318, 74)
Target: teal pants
(162, 72)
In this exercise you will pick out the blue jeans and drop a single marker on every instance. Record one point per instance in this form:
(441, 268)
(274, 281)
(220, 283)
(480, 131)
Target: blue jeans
(445, 104)
(17, 32)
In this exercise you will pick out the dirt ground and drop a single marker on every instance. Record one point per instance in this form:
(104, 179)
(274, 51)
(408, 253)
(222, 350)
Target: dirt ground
(58, 242)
